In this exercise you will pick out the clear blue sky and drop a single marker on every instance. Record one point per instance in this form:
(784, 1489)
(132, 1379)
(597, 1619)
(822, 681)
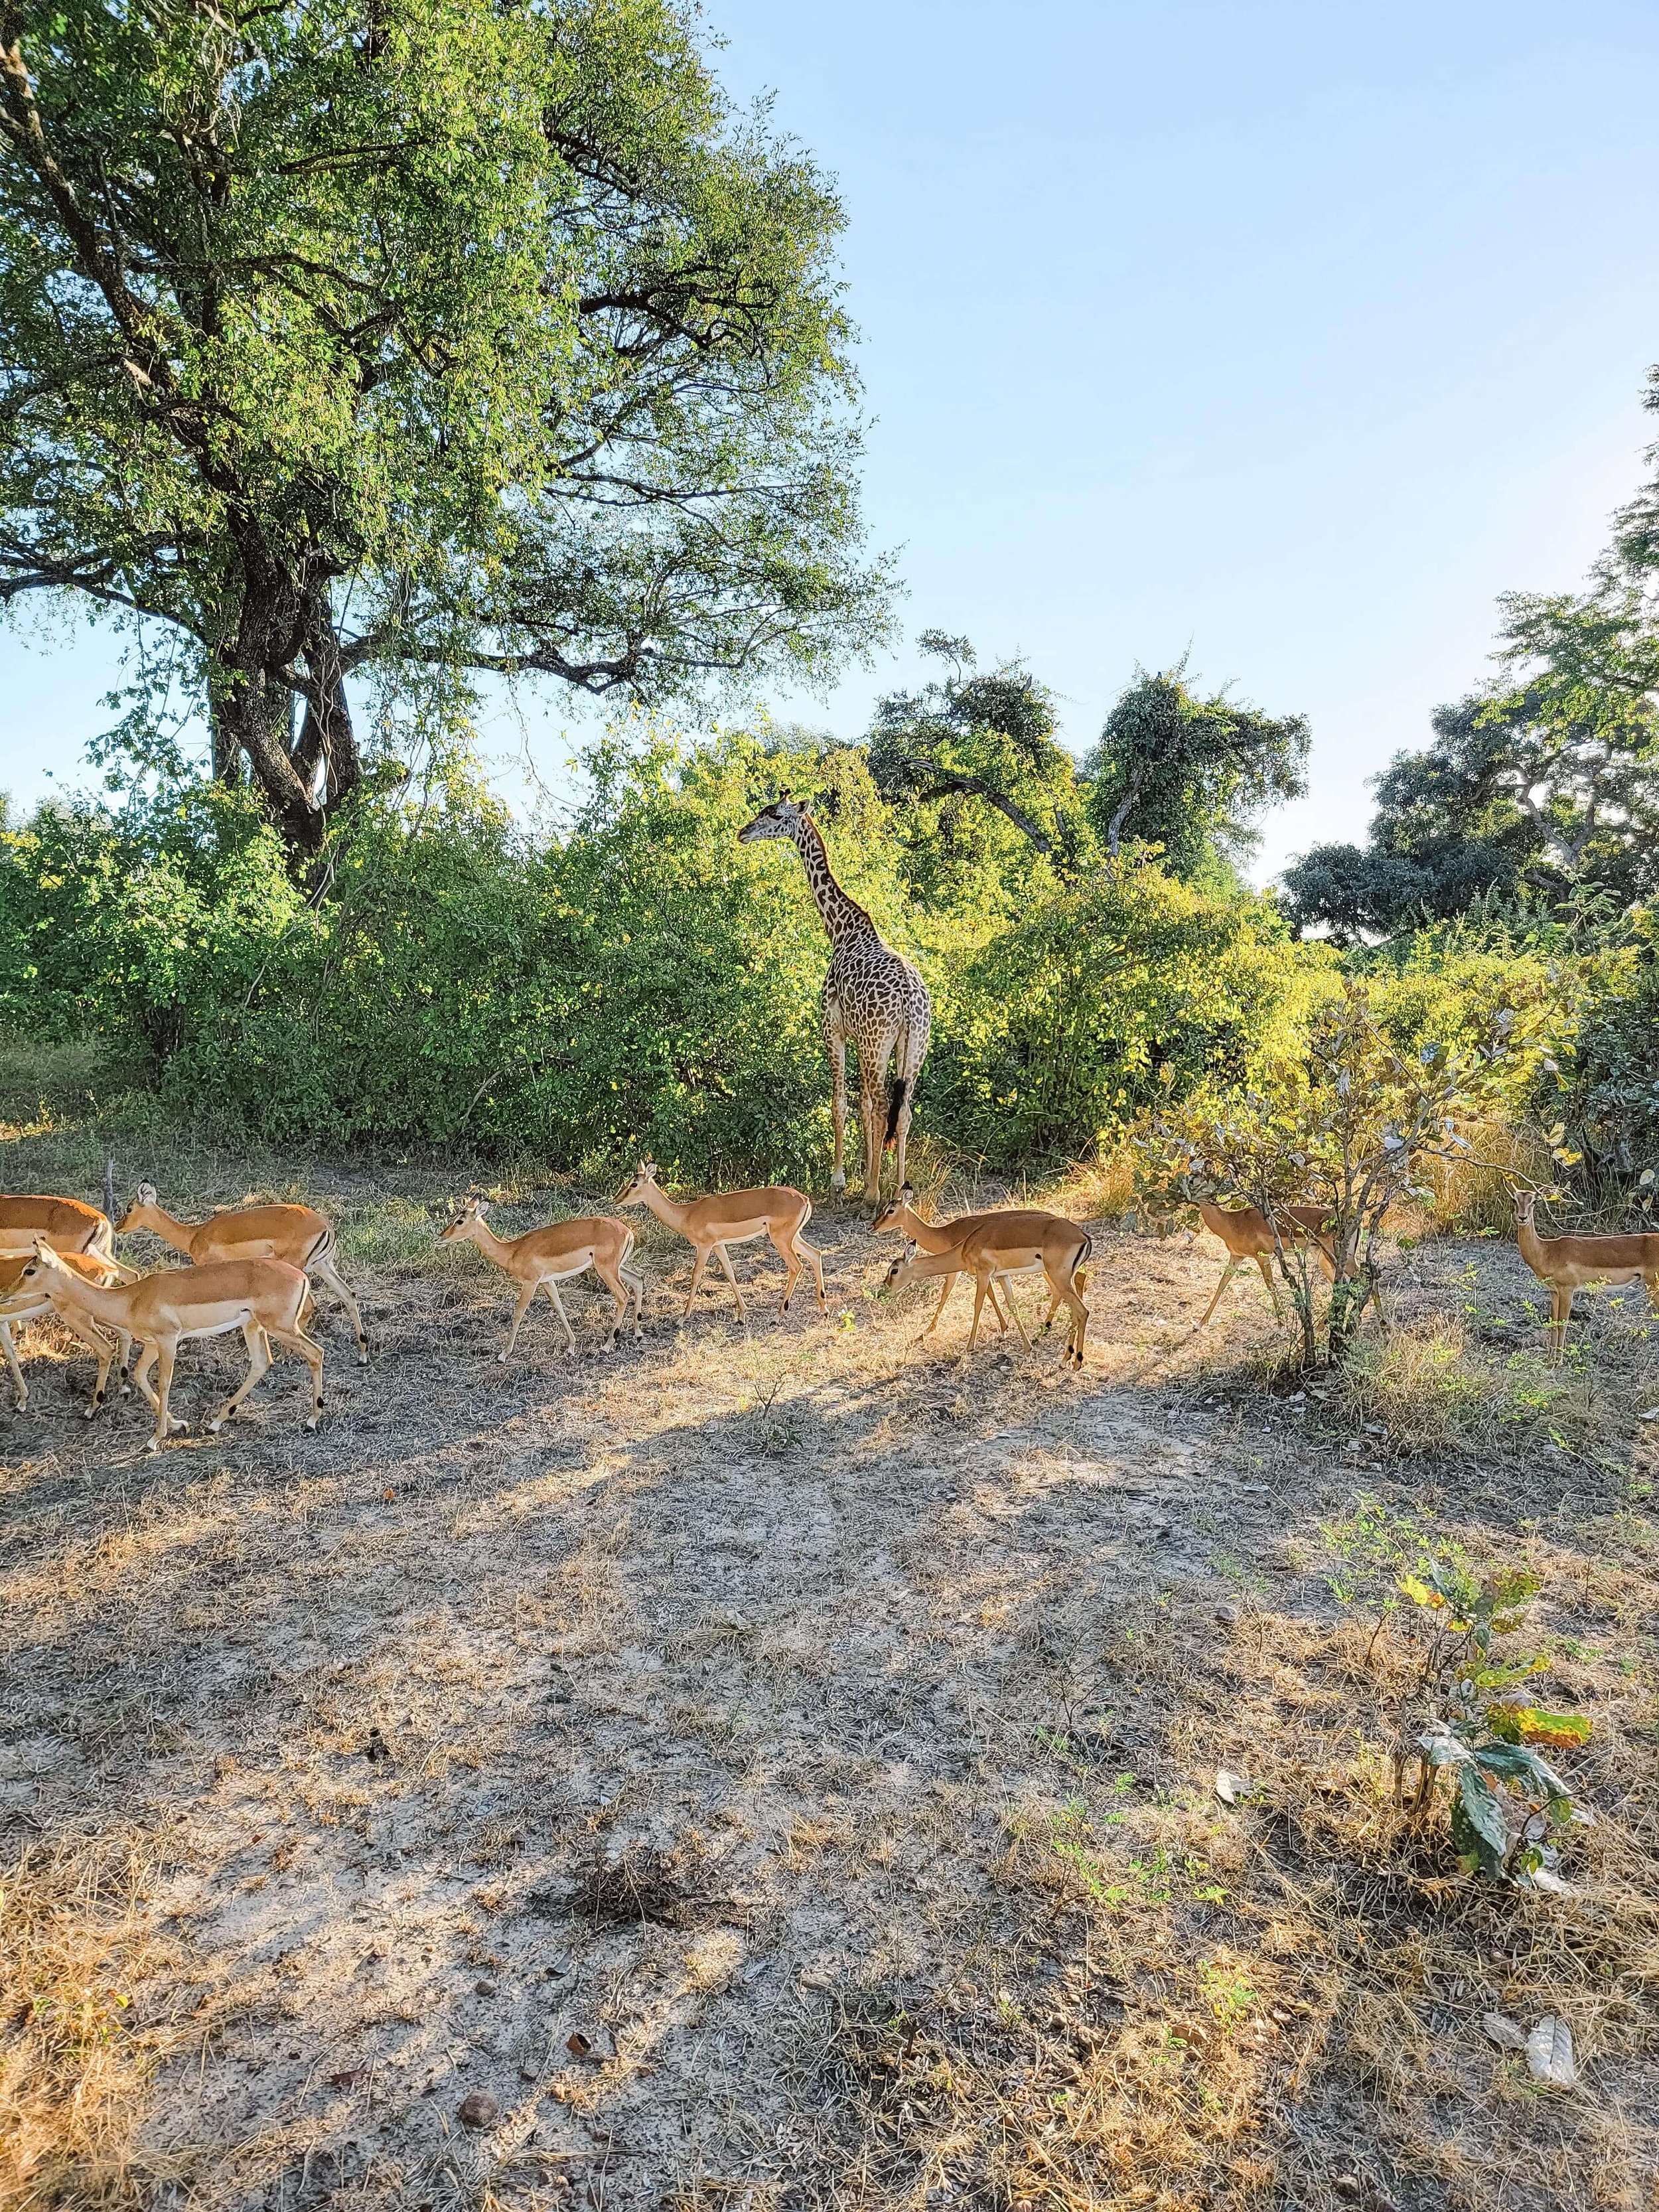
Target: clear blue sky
(1289, 335)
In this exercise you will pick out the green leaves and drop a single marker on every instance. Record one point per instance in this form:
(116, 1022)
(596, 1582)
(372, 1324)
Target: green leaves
(433, 336)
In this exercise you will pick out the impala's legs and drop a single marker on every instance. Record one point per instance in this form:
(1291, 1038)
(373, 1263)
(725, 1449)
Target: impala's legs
(104, 1347)
(617, 1282)
(1014, 1311)
(981, 1284)
(324, 1271)
(311, 1352)
(726, 1262)
(552, 1290)
(1560, 1315)
(946, 1289)
(636, 1281)
(259, 1360)
(1226, 1278)
(526, 1298)
(696, 1274)
(1261, 1261)
(791, 1262)
(140, 1377)
(18, 1384)
(816, 1257)
(165, 1352)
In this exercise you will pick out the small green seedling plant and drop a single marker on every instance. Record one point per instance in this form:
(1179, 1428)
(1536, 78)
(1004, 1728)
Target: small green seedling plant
(1482, 1739)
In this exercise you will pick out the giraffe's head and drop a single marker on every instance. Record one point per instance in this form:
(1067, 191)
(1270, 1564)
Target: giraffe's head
(781, 820)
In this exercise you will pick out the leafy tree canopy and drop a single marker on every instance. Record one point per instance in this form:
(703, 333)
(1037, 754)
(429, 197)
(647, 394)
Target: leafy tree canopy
(1190, 774)
(403, 340)
(1550, 782)
(974, 740)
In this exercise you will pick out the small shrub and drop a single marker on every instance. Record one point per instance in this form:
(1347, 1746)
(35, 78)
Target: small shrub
(1481, 1736)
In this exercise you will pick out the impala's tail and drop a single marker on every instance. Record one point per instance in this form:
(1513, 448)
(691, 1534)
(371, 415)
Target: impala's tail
(894, 1103)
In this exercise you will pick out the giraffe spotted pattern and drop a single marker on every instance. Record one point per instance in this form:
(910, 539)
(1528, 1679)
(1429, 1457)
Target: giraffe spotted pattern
(873, 999)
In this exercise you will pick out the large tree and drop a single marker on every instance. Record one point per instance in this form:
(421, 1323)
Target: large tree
(1550, 779)
(982, 737)
(1190, 774)
(405, 339)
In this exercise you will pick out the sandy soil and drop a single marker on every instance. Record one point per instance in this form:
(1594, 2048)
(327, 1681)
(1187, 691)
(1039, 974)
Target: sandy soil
(774, 1766)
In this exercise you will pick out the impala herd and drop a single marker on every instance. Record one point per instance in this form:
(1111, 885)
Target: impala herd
(251, 1268)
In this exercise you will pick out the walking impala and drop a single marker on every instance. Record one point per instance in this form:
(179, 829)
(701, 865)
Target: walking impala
(21, 1301)
(733, 1216)
(1567, 1264)
(1006, 1244)
(1247, 1234)
(899, 1218)
(264, 1298)
(66, 1224)
(297, 1235)
(547, 1257)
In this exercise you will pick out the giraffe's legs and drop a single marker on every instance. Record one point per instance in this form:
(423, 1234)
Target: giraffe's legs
(872, 1114)
(835, 1039)
(912, 1051)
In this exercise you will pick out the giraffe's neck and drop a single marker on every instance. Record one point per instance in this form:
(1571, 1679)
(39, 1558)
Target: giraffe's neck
(843, 917)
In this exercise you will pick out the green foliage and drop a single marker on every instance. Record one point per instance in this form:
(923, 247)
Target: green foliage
(961, 753)
(400, 342)
(1344, 1123)
(1116, 990)
(1505, 1800)
(1549, 779)
(642, 982)
(1189, 774)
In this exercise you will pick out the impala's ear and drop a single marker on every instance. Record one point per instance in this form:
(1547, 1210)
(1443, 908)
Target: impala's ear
(908, 1193)
(147, 1194)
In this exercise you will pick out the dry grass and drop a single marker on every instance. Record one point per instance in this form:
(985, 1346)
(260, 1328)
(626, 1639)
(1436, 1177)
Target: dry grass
(820, 1733)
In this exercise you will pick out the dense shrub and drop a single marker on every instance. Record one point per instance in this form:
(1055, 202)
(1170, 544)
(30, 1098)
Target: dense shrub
(641, 980)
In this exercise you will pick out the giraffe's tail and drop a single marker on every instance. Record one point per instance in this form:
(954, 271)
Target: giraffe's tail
(894, 1103)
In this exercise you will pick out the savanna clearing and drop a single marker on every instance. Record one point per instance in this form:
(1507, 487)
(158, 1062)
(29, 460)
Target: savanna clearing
(776, 1766)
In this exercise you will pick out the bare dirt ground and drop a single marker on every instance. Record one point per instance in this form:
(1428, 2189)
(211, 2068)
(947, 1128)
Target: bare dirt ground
(774, 1766)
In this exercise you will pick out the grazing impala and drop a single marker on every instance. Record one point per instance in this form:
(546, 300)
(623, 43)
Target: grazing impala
(1567, 1264)
(1006, 1244)
(21, 1301)
(65, 1223)
(1247, 1234)
(298, 1235)
(264, 1298)
(547, 1257)
(733, 1216)
(899, 1218)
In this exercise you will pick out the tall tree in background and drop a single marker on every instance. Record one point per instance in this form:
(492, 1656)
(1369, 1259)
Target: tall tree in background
(985, 739)
(1550, 782)
(1190, 774)
(407, 339)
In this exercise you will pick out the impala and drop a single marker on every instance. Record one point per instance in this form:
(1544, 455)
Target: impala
(733, 1216)
(22, 1302)
(898, 1218)
(1249, 1235)
(1006, 1244)
(1567, 1264)
(264, 1298)
(65, 1223)
(547, 1257)
(297, 1235)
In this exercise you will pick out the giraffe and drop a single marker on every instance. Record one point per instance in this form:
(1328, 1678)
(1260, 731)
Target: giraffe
(870, 995)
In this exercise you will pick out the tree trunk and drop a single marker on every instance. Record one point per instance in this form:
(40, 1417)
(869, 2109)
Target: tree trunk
(303, 777)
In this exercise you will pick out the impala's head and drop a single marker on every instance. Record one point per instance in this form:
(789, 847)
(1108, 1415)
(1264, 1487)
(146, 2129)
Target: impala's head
(644, 1178)
(898, 1274)
(1525, 1202)
(781, 820)
(471, 1210)
(888, 1221)
(143, 1199)
(45, 1266)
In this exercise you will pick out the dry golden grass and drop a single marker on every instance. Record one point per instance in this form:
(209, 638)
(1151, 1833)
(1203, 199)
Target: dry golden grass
(822, 1735)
